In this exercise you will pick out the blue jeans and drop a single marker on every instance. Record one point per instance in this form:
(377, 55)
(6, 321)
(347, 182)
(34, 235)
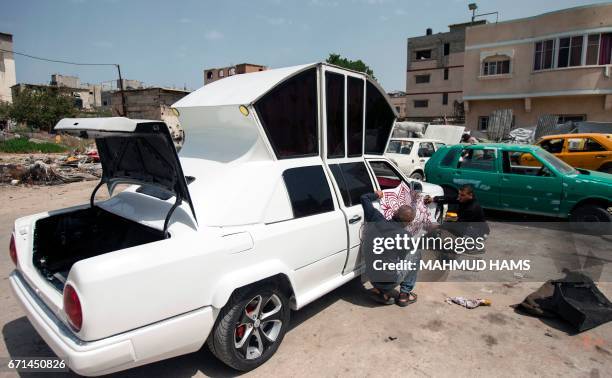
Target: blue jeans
(405, 278)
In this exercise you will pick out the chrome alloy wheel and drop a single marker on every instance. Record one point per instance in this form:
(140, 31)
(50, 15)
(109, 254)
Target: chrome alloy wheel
(258, 326)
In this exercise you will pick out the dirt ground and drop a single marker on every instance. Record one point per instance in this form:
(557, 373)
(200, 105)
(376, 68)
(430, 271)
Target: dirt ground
(343, 334)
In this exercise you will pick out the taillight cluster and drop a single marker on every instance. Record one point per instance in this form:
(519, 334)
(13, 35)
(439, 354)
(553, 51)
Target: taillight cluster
(13, 250)
(72, 307)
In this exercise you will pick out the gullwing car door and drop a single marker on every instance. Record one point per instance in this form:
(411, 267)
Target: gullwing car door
(347, 99)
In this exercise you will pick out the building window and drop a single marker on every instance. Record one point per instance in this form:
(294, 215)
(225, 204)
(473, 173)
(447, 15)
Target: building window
(421, 103)
(423, 54)
(592, 54)
(446, 49)
(544, 52)
(483, 123)
(209, 75)
(221, 73)
(421, 79)
(232, 71)
(446, 74)
(605, 49)
(570, 51)
(563, 118)
(444, 98)
(496, 67)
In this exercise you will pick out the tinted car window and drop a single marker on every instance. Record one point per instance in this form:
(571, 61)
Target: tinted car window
(483, 160)
(308, 191)
(335, 168)
(554, 146)
(450, 157)
(355, 116)
(379, 120)
(400, 147)
(334, 97)
(386, 175)
(288, 114)
(426, 149)
(357, 181)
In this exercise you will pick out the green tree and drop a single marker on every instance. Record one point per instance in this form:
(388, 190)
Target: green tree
(40, 108)
(355, 65)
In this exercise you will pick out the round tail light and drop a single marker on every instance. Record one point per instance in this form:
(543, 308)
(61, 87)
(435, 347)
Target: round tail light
(13, 250)
(72, 308)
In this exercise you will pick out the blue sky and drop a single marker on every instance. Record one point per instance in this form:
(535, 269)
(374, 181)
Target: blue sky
(169, 43)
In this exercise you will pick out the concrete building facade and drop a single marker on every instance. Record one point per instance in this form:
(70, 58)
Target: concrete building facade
(399, 102)
(214, 74)
(434, 74)
(87, 95)
(8, 77)
(557, 63)
(151, 103)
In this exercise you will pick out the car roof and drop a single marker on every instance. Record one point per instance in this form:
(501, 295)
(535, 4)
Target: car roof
(501, 146)
(419, 140)
(579, 135)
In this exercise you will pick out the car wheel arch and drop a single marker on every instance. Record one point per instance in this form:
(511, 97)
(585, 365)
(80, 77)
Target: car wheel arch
(596, 201)
(230, 284)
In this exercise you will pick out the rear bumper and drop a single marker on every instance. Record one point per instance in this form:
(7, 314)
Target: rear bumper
(168, 338)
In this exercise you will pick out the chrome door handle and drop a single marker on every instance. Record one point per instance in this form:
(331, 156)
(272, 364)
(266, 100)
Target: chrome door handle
(355, 219)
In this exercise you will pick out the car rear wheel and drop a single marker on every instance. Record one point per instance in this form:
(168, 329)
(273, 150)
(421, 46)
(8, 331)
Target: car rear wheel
(417, 176)
(250, 327)
(592, 219)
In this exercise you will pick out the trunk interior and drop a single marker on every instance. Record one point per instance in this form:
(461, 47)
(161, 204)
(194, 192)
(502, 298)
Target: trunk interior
(62, 240)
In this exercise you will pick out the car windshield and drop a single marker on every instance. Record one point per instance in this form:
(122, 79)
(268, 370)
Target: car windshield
(400, 147)
(559, 164)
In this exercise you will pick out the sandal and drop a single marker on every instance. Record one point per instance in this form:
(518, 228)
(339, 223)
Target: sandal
(381, 297)
(404, 299)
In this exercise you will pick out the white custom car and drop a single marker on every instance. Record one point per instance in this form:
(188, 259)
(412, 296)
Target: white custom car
(259, 215)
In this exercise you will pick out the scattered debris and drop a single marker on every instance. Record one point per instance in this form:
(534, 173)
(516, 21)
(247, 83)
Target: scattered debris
(50, 169)
(468, 303)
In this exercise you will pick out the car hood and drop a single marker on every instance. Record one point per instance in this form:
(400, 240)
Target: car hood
(593, 176)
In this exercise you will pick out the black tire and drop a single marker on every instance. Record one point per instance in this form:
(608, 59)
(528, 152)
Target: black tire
(257, 347)
(592, 219)
(417, 176)
(606, 169)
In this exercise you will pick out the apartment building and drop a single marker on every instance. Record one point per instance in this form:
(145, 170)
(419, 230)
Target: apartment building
(398, 100)
(214, 74)
(434, 74)
(556, 63)
(7, 68)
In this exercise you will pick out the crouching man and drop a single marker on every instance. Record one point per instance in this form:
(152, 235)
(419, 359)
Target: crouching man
(377, 227)
(470, 222)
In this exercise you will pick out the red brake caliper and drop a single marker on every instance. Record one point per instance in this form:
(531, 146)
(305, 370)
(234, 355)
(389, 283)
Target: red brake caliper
(241, 329)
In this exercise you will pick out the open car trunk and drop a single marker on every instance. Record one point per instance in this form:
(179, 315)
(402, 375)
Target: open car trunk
(131, 151)
(63, 239)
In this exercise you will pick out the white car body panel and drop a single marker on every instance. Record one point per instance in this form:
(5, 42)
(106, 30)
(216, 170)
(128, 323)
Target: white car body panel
(161, 299)
(412, 163)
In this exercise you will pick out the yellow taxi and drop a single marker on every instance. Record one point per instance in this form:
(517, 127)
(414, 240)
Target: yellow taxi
(588, 151)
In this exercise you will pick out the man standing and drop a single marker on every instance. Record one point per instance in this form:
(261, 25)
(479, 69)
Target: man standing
(379, 227)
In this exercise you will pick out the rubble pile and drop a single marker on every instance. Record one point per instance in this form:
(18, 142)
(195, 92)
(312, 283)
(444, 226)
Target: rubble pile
(50, 169)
